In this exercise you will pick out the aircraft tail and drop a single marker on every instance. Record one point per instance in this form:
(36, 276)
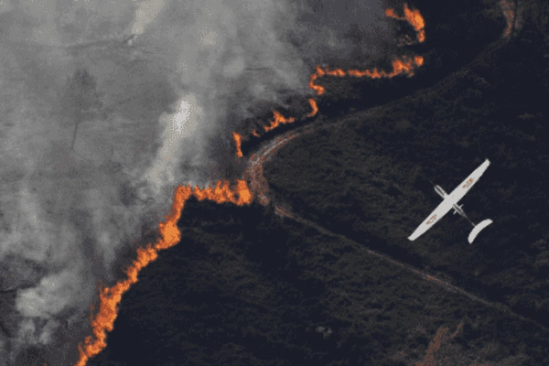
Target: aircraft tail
(477, 229)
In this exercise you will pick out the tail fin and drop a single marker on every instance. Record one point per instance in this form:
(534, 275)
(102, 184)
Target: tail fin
(477, 229)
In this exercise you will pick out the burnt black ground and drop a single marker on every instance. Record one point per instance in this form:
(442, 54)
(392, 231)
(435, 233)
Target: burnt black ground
(246, 287)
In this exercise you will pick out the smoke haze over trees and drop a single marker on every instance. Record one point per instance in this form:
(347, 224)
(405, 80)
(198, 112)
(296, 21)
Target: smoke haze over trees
(97, 129)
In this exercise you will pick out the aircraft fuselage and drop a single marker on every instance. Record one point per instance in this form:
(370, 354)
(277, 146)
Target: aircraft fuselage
(450, 202)
(442, 193)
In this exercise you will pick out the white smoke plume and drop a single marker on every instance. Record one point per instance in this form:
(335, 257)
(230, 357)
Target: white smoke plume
(106, 106)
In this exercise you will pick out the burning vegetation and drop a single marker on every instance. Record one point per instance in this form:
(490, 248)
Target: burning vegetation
(237, 142)
(405, 65)
(109, 297)
(445, 348)
(238, 194)
(413, 17)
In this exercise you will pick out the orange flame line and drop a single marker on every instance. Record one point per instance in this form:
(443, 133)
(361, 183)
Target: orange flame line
(319, 89)
(238, 142)
(406, 66)
(413, 17)
(400, 66)
(416, 20)
(314, 108)
(109, 298)
(278, 120)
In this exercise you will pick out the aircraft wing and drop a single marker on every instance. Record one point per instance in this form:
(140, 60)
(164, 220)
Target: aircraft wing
(468, 183)
(439, 212)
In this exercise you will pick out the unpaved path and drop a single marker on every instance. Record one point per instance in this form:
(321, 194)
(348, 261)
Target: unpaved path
(259, 185)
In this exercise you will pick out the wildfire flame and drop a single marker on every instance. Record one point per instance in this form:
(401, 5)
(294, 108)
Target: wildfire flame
(238, 142)
(278, 119)
(413, 17)
(405, 66)
(314, 108)
(110, 297)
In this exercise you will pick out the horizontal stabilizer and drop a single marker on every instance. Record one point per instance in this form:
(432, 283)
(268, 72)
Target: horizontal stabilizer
(477, 229)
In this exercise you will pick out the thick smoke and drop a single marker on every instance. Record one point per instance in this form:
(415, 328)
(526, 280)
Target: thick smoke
(98, 126)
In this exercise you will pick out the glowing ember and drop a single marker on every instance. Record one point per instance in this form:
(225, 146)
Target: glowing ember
(278, 119)
(405, 66)
(319, 89)
(413, 17)
(238, 143)
(109, 298)
(314, 108)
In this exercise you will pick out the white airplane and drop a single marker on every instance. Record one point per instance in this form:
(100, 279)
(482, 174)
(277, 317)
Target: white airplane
(450, 202)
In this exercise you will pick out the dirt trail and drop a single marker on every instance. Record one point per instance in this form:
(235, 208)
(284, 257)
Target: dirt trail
(259, 185)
